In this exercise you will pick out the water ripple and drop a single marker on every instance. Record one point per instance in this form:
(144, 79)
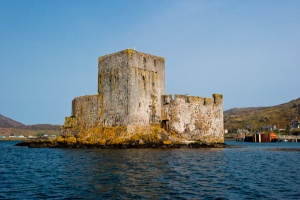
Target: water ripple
(256, 171)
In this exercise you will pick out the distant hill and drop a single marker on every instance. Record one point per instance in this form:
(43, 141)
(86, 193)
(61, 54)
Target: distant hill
(9, 126)
(7, 122)
(252, 118)
(43, 127)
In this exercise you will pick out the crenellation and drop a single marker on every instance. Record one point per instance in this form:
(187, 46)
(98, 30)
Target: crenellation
(178, 98)
(208, 101)
(218, 98)
(166, 99)
(195, 99)
(131, 97)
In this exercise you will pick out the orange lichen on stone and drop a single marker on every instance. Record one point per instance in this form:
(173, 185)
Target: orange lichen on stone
(60, 139)
(70, 140)
(167, 142)
(129, 51)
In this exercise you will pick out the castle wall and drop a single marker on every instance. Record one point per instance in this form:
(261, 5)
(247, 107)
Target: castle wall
(88, 110)
(146, 85)
(196, 118)
(113, 79)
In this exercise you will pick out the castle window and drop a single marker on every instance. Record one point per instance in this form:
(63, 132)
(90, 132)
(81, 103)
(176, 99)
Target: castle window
(165, 125)
(166, 100)
(144, 81)
(154, 62)
(144, 59)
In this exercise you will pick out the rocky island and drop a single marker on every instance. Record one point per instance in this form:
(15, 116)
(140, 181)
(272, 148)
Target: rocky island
(131, 110)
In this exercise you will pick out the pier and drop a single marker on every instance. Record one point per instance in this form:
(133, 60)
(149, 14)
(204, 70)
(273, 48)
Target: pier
(289, 138)
(266, 137)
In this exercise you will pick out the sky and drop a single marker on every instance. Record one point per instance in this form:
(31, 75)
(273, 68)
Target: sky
(249, 51)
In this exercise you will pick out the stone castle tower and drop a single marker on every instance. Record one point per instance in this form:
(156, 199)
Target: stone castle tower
(131, 94)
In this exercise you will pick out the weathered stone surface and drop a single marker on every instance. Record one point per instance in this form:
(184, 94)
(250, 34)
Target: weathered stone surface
(193, 117)
(131, 103)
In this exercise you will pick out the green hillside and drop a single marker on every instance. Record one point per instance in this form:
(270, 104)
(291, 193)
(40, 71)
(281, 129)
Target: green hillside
(253, 118)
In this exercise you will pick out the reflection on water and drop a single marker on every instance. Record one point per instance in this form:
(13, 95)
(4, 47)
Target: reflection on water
(252, 171)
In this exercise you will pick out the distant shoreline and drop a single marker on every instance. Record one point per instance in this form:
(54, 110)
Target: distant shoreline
(14, 139)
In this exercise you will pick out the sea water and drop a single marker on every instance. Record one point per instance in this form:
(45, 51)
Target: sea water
(243, 171)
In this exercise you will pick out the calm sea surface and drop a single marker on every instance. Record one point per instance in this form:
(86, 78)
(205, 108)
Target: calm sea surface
(254, 171)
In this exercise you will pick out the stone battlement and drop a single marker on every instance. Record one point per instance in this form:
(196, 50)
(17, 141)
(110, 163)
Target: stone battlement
(217, 99)
(146, 61)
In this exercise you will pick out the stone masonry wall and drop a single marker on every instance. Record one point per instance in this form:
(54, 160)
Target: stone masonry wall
(193, 117)
(131, 83)
(113, 77)
(146, 85)
(88, 110)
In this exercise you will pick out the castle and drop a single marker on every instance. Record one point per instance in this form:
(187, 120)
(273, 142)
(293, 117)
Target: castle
(131, 98)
